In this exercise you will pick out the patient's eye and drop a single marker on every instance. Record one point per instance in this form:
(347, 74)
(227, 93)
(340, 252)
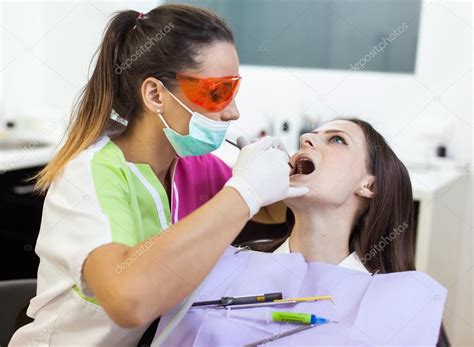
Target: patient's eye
(337, 139)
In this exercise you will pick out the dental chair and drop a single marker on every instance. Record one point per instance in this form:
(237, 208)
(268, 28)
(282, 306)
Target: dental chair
(265, 237)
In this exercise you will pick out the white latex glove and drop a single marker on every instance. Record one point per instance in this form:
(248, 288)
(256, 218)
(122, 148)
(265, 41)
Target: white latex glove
(276, 143)
(261, 175)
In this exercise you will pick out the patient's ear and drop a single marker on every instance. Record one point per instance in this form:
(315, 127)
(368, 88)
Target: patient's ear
(366, 187)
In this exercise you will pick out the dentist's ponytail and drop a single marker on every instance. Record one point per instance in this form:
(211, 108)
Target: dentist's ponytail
(92, 109)
(134, 47)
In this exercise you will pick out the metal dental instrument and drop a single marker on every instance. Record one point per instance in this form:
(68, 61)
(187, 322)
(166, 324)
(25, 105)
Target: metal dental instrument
(279, 336)
(307, 299)
(279, 302)
(242, 141)
(232, 143)
(263, 304)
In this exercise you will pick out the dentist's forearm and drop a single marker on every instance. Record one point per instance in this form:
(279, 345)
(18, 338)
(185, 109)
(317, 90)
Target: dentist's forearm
(177, 262)
(163, 270)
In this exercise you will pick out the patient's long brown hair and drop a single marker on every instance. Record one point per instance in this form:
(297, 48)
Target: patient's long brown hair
(135, 46)
(384, 235)
(389, 218)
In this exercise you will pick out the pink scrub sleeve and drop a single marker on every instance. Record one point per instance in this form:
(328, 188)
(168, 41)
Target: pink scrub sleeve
(196, 180)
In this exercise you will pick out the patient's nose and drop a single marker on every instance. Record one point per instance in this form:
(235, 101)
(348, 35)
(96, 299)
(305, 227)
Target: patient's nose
(306, 141)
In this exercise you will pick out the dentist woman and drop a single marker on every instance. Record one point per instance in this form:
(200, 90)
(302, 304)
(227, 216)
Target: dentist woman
(172, 74)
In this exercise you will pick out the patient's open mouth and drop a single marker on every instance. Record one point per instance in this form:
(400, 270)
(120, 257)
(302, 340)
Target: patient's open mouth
(304, 166)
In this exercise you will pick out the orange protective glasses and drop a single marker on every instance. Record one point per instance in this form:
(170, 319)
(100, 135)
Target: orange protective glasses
(212, 93)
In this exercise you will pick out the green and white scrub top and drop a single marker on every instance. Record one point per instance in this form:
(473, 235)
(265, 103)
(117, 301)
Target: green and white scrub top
(99, 198)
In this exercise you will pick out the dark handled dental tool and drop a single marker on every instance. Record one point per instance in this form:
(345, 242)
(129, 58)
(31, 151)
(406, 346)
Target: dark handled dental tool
(240, 300)
(232, 143)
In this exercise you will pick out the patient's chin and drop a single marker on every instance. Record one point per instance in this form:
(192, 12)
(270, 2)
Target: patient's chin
(315, 199)
(300, 201)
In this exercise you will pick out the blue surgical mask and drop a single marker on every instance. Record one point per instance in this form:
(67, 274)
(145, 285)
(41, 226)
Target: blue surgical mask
(205, 135)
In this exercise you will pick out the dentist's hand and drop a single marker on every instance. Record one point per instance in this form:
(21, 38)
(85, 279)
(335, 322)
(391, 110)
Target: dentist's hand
(262, 175)
(242, 141)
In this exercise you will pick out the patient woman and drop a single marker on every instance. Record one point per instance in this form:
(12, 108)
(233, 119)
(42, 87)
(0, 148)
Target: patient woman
(359, 211)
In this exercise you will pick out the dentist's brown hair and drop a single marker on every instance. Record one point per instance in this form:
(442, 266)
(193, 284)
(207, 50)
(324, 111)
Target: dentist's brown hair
(135, 46)
(384, 234)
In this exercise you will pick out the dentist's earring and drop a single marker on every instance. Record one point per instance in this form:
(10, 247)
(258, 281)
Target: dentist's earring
(361, 192)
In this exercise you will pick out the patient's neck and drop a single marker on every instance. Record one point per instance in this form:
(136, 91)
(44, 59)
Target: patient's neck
(321, 235)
